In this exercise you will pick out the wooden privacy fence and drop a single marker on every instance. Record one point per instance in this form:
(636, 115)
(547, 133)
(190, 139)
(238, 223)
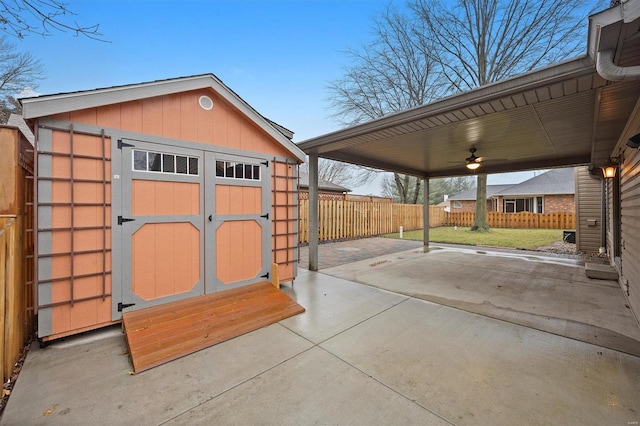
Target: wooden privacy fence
(339, 219)
(515, 220)
(16, 247)
(15, 324)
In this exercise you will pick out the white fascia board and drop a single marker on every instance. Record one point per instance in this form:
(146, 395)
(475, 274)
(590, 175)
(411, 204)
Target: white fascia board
(48, 105)
(56, 104)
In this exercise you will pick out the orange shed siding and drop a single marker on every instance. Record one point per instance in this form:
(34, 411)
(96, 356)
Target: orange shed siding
(69, 214)
(152, 198)
(178, 116)
(165, 259)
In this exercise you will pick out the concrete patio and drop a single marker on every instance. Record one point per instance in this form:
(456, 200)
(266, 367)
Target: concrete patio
(365, 355)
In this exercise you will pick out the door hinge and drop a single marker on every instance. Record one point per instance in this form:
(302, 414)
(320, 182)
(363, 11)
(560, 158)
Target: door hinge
(265, 163)
(122, 220)
(122, 306)
(123, 144)
(266, 215)
(265, 276)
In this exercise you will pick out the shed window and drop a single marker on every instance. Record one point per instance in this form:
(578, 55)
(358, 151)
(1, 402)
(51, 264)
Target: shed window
(149, 161)
(457, 205)
(236, 170)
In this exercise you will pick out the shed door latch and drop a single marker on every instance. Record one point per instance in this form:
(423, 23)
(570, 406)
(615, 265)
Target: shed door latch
(266, 215)
(122, 306)
(122, 220)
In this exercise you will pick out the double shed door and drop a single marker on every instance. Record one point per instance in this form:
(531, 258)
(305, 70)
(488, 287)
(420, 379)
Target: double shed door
(191, 223)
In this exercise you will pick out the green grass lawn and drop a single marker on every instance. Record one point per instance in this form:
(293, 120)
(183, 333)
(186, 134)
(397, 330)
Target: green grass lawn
(496, 237)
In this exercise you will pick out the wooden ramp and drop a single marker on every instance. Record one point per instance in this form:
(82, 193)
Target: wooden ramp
(163, 333)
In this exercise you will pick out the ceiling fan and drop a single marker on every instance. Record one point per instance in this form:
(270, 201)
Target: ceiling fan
(473, 162)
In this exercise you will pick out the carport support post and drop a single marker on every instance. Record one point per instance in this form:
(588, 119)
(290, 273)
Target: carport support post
(425, 215)
(313, 212)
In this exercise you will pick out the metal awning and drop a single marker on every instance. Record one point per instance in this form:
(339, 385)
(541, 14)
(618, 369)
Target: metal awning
(562, 115)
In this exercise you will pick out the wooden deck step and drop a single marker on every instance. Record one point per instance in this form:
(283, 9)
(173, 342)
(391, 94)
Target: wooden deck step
(166, 332)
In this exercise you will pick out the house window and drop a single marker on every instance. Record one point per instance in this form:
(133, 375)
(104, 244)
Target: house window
(509, 206)
(539, 205)
(516, 205)
(457, 205)
(158, 162)
(237, 170)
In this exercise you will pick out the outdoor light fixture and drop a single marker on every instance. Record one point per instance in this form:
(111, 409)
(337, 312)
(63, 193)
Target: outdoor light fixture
(609, 171)
(634, 141)
(473, 165)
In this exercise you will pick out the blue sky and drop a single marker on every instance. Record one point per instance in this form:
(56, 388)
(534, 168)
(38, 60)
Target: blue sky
(278, 55)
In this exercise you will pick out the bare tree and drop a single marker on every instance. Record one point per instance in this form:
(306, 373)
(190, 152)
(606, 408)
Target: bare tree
(438, 188)
(485, 41)
(20, 18)
(404, 189)
(340, 173)
(18, 70)
(393, 72)
(8, 106)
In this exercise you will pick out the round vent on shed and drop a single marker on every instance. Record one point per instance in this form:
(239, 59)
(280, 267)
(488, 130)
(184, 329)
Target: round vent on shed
(205, 102)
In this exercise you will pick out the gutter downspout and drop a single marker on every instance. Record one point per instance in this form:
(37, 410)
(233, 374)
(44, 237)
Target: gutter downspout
(610, 71)
(604, 37)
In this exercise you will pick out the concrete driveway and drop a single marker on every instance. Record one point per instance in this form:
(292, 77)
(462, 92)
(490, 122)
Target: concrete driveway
(547, 293)
(358, 355)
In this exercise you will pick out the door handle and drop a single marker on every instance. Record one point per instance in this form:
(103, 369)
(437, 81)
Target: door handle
(210, 218)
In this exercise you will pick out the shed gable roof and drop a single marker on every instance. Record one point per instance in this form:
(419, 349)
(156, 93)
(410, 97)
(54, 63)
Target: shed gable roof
(47, 105)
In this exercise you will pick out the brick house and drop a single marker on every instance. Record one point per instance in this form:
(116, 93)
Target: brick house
(549, 192)
(466, 200)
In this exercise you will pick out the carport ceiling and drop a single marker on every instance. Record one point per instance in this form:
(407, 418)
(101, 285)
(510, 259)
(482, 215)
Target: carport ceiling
(563, 115)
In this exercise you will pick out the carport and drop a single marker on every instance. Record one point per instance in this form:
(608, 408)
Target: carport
(568, 114)
(579, 112)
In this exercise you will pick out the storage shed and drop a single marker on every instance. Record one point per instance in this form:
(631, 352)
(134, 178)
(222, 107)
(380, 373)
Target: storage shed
(156, 192)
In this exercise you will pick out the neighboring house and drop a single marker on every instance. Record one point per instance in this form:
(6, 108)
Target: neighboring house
(445, 204)
(326, 190)
(466, 200)
(549, 192)
(331, 191)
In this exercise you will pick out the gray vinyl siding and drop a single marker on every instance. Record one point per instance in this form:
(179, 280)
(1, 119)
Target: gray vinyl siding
(630, 228)
(588, 207)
